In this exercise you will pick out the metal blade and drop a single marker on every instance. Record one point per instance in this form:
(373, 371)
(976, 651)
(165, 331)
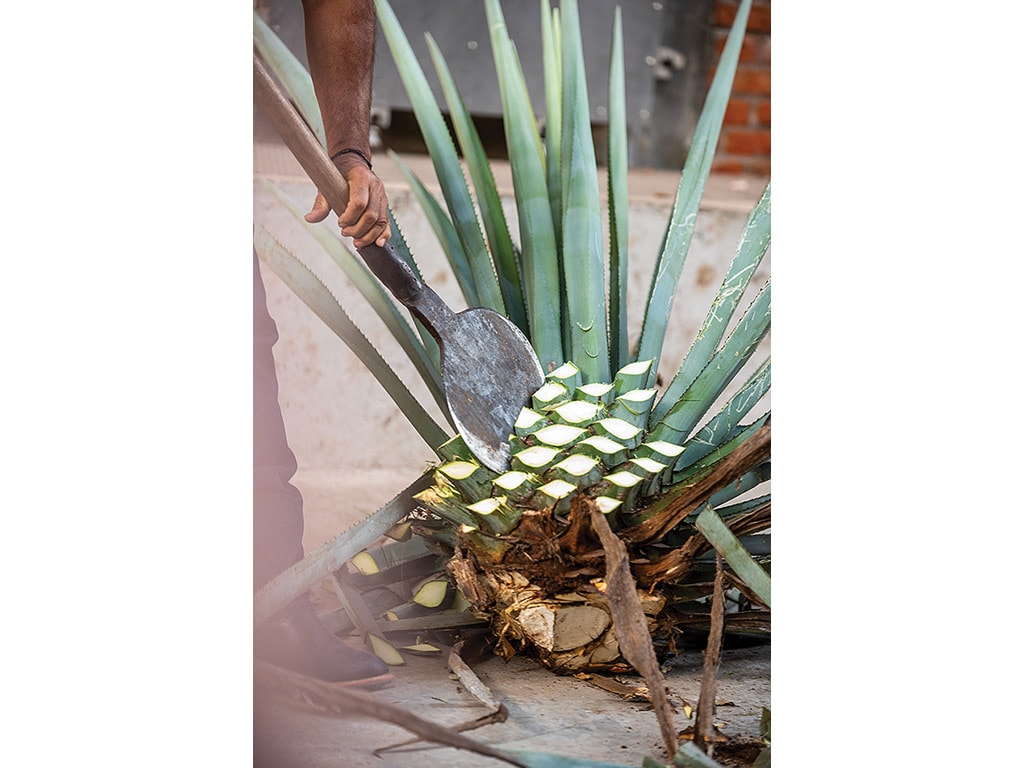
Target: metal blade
(490, 372)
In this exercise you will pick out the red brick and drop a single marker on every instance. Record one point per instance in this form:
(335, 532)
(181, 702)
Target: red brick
(754, 81)
(760, 19)
(754, 142)
(750, 51)
(737, 112)
(763, 113)
(727, 166)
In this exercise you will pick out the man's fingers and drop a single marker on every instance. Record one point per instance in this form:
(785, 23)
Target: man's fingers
(365, 218)
(319, 210)
(378, 232)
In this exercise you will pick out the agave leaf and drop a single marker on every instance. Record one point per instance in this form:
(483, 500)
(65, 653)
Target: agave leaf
(720, 370)
(729, 547)
(699, 471)
(582, 238)
(751, 250)
(551, 41)
(749, 481)
(377, 297)
(691, 188)
(690, 471)
(445, 231)
(690, 756)
(506, 256)
(541, 272)
(446, 160)
(547, 760)
(317, 297)
(618, 203)
(731, 511)
(289, 71)
(723, 426)
(398, 240)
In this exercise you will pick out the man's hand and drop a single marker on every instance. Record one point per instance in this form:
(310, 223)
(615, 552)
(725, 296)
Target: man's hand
(365, 219)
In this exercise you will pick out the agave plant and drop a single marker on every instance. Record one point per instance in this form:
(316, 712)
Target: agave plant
(673, 471)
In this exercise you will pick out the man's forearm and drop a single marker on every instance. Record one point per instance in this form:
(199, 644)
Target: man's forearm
(340, 45)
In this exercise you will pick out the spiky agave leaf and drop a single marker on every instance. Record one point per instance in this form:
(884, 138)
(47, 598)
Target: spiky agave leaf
(446, 162)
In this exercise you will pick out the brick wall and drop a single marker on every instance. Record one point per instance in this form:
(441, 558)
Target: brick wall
(745, 144)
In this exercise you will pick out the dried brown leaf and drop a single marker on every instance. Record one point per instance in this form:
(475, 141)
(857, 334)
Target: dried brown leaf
(630, 622)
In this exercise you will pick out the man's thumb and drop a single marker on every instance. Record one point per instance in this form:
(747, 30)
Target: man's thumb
(319, 210)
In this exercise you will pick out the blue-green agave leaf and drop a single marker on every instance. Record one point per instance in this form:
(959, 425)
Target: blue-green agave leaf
(541, 270)
(318, 298)
(752, 247)
(292, 75)
(691, 188)
(506, 256)
(582, 238)
(444, 230)
(733, 552)
(445, 158)
(618, 204)
(551, 42)
(725, 423)
(547, 760)
(720, 370)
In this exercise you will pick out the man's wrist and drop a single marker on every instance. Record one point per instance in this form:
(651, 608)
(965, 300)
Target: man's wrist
(353, 151)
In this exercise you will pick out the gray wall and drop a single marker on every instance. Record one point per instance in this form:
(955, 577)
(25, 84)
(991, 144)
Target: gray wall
(665, 47)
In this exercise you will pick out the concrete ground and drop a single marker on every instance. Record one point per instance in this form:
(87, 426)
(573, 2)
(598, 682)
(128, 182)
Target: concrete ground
(548, 713)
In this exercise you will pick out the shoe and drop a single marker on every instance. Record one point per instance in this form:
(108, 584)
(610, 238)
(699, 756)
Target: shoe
(298, 641)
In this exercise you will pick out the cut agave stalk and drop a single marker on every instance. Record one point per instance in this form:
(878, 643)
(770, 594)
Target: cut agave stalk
(633, 406)
(577, 412)
(517, 485)
(607, 505)
(431, 592)
(401, 531)
(385, 651)
(604, 448)
(422, 649)
(651, 471)
(455, 449)
(536, 459)
(568, 375)
(598, 392)
(496, 514)
(560, 435)
(390, 554)
(659, 450)
(472, 480)
(578, 469)
(623, 485)
(554, 494)
(632, 376)
(529, 421)
(549, 396)
(621, 431)
(446, 502)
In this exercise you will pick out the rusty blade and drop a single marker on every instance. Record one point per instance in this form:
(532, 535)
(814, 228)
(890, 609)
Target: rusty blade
(489, 371)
